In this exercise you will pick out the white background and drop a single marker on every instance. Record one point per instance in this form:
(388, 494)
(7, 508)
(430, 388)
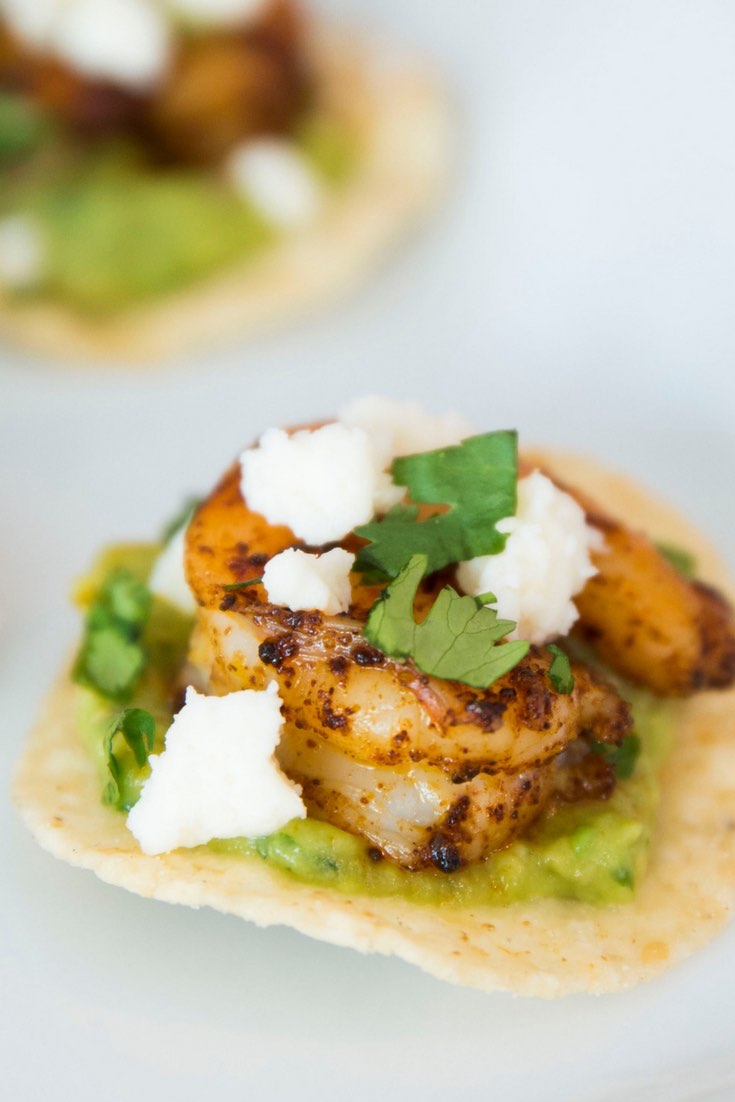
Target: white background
(579, 284)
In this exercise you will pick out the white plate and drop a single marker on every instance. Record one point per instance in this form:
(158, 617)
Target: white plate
(577, 284)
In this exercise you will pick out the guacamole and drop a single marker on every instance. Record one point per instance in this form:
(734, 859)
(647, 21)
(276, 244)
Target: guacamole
(593, 851)
(119, 230)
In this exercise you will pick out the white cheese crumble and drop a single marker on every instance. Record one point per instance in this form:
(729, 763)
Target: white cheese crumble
(22, 252)
(320, 484)
(545, 562)
(168, 577)
(299, 580)
(217, 777)
(278, 180)
(32, 20)
(400, 428)
(122, 40)
(403, 428)
(127, 41)
(323, 483)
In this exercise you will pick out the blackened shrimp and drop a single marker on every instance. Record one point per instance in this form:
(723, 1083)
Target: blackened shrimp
(430, 771)
(223, 86)
(657, 628)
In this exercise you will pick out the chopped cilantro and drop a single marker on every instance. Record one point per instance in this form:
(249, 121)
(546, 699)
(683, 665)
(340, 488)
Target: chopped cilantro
(22, 126)
(138, 730)
(622, 758)
(476, 480)
(111, 662)
(560, 670)
(243, 585)
(123, 600)
(681, 559)
(111, 657)
(457, 640)
(181, 518)
(624, 876)
(627, 756)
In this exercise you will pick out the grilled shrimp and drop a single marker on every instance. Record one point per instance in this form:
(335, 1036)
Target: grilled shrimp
(432, 772)
(90, 106)
(227, 86)
(645, 620)
(223, 86)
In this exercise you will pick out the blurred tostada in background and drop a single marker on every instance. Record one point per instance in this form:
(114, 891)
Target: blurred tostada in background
(172, 171)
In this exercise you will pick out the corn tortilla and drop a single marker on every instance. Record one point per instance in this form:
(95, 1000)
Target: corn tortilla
(401, 117)
(542, 948)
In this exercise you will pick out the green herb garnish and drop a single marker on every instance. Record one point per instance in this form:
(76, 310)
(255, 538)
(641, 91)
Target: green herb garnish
(560, 670)
(111, 658)
(180, 519)
(622, 758)
(243, 585)
(682, 560)
(457, 640)
(22, 126)
(476, 479)
(627, 756)
(138, 730)
(110, 663)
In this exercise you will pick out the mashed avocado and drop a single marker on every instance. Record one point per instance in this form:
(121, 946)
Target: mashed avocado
(594, 850)
(118, 230)
(165, 640)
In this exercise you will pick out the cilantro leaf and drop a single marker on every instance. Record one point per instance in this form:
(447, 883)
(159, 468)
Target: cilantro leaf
(138, 730)
(124, 600)
(111, 657)
(622, 758)
(22, 126)
(477, 479)
(627, 756)
(111, 662)
(390, 625)
(458, 640)
(560, 670)
(681, 559)
(243, 585)
(180, 519)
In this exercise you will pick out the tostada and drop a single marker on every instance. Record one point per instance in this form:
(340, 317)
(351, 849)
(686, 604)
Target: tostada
(407, 689)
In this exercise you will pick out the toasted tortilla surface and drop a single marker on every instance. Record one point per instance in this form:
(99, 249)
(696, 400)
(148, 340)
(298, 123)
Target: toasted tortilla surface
(401, 119)
(542, 948)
